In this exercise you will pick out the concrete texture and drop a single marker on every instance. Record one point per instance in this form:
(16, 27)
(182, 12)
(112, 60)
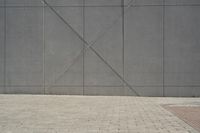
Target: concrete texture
(182, 2)
(87, 114)
(24, 50)
(23, 3)
(73, 90)
(62, 47)
(99, 47)
(143, 46)
(146, 90)
(97, 73)
(110, 45)
(24, 90)
(2, 46)
(103, 2)
(2, 91)
(65, 2)
(182, 91)
(148, 2)
(182, 58)
(1, 3)
(104, 91)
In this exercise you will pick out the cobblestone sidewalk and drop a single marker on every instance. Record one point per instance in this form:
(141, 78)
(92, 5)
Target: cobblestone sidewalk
(90, 114)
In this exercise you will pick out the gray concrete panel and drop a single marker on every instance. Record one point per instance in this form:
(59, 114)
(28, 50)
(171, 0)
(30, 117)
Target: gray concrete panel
(147, 2)
(97, 73)
(182, 56)
(2, 46)
(104, 91)
(129, 92)
(24, 90)
(1, 2)
(128, 2)
(40, 2)
(143, 2)
(2, 90)
(42, 50)
(99, 25)
(197, 91)
(110, 45)
(143, 46)
(182, 91)
(65, 90)
(182, 2)
(62, 46)
(98, 20)
(73, 15)
(24, 49)
(102, 2)
(65, 2)
(144, 91)
(24, 3)
(74, 75)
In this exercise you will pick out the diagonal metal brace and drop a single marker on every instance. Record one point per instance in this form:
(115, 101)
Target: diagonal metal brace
(89, 46)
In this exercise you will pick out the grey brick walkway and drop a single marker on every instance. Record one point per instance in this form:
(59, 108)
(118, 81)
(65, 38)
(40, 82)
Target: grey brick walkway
(89, 114)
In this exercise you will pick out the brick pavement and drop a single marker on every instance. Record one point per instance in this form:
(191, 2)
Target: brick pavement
(90, 114)
(190, 114)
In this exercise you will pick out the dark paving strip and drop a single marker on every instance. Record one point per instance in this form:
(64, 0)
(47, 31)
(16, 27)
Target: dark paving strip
(189, 114)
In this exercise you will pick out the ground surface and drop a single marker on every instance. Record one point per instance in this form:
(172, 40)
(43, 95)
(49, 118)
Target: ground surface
(90, 114)
(189, 113)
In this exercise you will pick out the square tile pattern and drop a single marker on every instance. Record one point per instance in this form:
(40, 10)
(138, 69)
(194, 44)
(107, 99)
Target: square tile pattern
(91, 114)
(102, 47)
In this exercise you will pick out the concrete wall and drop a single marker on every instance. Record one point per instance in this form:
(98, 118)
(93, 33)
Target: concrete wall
(100, 47)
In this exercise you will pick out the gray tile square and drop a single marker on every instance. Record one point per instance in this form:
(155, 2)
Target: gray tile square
(24, 3)
(65, 2)
(182, 91)
(97, 72)
(102, 2)
(2, 41)
(2, 3)
(144, 2)
(24, 90)
(105, 91)
(65, 90)
(24, 46)
(182, 57)
(143, 46)
(63, 47)
(182, 2)
(104, 27)
(2, 90)
(144, 91)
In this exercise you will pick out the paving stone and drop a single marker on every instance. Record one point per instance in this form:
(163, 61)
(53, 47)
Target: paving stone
(90, 114)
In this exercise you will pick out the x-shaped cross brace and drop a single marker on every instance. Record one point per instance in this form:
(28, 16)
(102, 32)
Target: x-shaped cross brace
(90, 46)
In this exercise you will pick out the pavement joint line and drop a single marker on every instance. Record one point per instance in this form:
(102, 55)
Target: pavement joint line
(85, 114)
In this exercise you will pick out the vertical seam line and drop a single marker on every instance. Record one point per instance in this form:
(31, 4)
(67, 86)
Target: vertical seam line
(83, 47)
(122, 6)
(5, 28)
(44, 86)
(163, 63)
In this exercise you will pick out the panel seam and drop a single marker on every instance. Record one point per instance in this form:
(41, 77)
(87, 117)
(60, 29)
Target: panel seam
(5, 41)
(163, 43)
